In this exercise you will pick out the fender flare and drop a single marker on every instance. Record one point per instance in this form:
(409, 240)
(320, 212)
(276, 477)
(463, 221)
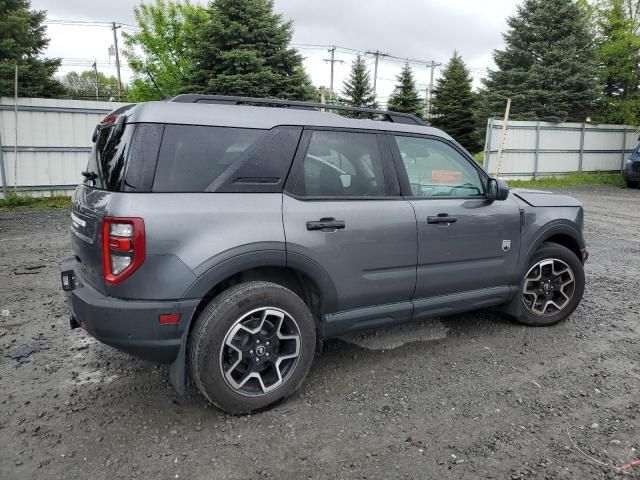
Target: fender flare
(555, 227)
(234, 264)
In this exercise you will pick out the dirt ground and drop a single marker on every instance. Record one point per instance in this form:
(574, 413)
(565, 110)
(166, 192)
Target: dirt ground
(470, 396)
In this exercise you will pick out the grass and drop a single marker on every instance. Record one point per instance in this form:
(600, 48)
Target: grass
(572, 179)
(17, 201)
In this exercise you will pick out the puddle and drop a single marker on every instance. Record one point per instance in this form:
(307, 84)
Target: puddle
(394, 337)
(81, 347)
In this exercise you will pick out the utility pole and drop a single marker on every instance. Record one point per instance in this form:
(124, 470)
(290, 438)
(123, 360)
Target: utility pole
(427, 103)
(115, 45)
(377, 55)
(95, 69)
(15, 143)
(332, 60)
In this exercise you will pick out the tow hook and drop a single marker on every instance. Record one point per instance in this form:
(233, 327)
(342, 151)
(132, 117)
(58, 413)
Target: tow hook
(73, 323)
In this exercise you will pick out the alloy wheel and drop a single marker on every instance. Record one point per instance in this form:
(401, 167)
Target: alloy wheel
(260, 351)
(548, 287)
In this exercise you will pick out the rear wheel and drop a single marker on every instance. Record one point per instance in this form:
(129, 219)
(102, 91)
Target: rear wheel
(631, 183)
(251, 347)
(552, 286)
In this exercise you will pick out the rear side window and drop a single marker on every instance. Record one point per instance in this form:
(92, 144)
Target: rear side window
(199, 158)
(108, 158)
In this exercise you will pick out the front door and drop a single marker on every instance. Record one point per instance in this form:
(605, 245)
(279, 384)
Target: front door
(343, 212)
(468, 246)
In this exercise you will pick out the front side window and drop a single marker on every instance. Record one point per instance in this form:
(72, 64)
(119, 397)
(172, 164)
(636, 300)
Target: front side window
(435, 169)
(342, 164)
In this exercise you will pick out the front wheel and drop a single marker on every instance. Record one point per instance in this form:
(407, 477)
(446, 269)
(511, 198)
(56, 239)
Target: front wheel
(631, 183)
(552, 286)
(251, 347)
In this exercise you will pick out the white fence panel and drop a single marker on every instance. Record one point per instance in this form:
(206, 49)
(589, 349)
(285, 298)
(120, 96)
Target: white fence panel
(54, 140)
(534, 149)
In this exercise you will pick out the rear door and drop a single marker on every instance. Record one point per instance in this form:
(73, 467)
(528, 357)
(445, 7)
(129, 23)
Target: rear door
(343, 211)
(468, 246)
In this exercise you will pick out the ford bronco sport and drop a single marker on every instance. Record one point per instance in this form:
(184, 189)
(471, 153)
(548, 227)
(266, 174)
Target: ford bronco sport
(228, 236)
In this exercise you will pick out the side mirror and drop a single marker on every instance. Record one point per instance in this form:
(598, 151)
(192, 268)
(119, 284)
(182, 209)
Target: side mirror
(497, 189)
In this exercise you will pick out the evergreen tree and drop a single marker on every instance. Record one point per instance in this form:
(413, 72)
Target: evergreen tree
(548, 67)
(243, 49)
(619, 58)
(357, 90)
(405, 97)
(22, 40)
(453, 104)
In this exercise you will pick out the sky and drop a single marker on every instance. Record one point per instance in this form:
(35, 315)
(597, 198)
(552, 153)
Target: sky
(423, 30)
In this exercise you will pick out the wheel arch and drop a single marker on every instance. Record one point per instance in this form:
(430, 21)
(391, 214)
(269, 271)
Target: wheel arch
(296, 272)
(560, 232)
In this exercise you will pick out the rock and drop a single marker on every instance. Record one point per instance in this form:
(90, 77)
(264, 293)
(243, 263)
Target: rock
(595, 425)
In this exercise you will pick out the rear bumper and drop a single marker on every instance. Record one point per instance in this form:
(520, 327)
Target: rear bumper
(129, 325)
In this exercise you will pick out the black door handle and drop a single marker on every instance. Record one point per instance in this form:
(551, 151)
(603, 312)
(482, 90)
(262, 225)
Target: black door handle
(442, 218)
(326, 224)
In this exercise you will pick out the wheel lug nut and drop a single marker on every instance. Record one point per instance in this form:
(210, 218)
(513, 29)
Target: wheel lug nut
(267, 354)
(267, 343)
(250, 352)
(258, 341)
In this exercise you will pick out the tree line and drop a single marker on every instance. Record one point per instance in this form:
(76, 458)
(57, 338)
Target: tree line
(563, 60)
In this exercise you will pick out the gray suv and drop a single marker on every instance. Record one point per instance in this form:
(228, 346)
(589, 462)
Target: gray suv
(228, 236)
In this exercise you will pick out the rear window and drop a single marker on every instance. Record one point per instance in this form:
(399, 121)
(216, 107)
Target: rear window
(192, 158)
(108, 158)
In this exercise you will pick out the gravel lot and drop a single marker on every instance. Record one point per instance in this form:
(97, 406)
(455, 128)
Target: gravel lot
(470, 396)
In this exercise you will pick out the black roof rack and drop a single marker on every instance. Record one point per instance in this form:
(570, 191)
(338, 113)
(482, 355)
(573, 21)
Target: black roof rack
(396, 117)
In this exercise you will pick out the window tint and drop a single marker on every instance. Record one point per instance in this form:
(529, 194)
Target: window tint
(192, 158)
(108, 158)
(436, 169)
(342, 164)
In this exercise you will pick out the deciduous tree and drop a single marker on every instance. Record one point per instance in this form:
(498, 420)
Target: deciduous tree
(161, 53)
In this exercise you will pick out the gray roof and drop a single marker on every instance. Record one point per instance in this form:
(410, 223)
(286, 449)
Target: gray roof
(245, 116)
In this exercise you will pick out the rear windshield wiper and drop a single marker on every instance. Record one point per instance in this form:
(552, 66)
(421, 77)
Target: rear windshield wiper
(90, 176)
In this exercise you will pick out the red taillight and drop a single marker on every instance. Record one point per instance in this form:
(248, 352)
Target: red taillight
(123, 247)
(109, 119)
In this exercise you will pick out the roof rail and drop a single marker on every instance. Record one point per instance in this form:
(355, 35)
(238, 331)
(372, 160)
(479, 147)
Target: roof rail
(395, 117)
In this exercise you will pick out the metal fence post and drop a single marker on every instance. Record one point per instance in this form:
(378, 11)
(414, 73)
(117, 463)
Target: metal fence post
(487, 144)
(582, 133)
(537, 153)
(624, 153)
(2, 173)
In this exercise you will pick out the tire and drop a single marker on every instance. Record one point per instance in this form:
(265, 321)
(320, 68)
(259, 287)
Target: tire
(548, 260)
(631, 184)
(242, 331)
